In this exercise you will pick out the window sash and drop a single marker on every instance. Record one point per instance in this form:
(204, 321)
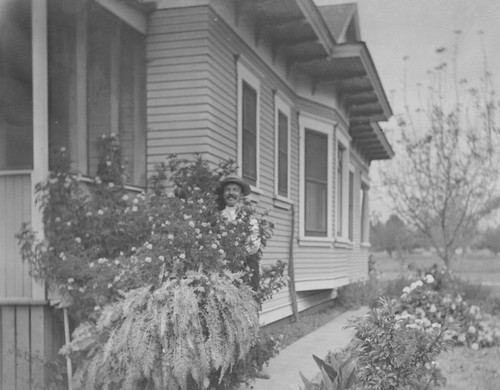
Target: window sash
(316, 184)
(282, 154)
(249, 133)
(351, 206)
(340, 189)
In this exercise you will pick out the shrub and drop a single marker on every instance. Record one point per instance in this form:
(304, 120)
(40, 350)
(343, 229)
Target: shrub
(173, 336)
(392, 352)
(102, 243)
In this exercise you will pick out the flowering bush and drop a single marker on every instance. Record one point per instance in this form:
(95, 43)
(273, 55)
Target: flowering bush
(396, 351)
(103, 241)
(434, 299)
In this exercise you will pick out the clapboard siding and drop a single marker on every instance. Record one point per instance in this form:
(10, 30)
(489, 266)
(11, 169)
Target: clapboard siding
(15, 208)
(192, 107)
(29, 336)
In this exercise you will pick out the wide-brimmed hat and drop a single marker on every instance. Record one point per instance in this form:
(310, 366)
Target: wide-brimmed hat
(245, 188)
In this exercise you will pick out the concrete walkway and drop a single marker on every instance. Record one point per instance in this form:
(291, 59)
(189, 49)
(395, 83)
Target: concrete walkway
(297, 357)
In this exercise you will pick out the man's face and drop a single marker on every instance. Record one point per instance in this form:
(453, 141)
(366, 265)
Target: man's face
(232, 194)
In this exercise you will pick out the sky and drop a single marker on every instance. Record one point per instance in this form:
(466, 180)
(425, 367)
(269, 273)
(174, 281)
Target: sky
(394, 29)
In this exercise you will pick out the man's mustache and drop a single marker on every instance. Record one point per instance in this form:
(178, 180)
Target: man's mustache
(231, 197)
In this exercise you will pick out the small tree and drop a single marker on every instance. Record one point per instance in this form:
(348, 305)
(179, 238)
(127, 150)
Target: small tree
(490, 239)
(444, 178)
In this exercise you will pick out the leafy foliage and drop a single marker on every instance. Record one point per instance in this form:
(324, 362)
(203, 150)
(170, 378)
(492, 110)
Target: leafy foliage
(335, 375)
(392, 353)
(106, 247)
(173, 336)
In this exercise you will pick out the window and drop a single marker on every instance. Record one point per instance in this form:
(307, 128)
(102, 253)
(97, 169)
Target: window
(316, 183)
(315, 180)
(282, 150)
(351, 205)
(249, 134)
(96, 83)
(16, 97)
(248, 124)
(340, 187)
(344, 193)
(364, 217)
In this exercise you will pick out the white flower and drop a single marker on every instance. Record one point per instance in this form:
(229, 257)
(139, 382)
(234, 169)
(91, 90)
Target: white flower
(98, 180)
(147, 259)
(191, 223)
(89, 214)
(78, 240)
(433, 308)
(125, 197)
(96, 308)
(71, 280)
(62, 256)
(117, 278)
(148, 246)
(170, 236)
(182, 256)
(91, 264)
(110, 285)
(117, 262)
(102, 260)
(135, 201)
(108, 163)
(161, 258)
(214, 246)
(406, 290)
(68, 223)
(472, 329)
(475, 346)
(134, 209)
(100, 212)
(429, 278)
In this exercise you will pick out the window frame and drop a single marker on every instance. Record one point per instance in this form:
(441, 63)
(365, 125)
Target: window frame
(246, 74)
(342, 141)
(284, 106)
(325, 127)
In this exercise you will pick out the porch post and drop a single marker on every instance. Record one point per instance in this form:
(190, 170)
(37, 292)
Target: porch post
(40, 118)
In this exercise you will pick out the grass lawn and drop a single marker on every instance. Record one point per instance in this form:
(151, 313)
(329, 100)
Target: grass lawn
(477, 267)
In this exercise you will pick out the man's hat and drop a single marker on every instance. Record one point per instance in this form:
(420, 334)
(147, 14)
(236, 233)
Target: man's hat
(245, 188)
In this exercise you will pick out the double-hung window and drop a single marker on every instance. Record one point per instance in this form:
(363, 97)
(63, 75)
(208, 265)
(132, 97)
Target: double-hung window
(344, 187)
(96, 85)
(248, 123)
(282, 147)
(315, 180)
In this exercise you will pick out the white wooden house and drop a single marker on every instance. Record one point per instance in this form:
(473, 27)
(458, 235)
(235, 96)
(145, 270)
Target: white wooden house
(286, 88)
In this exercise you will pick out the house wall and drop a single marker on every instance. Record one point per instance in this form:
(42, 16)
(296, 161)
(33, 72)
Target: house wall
(192, 107)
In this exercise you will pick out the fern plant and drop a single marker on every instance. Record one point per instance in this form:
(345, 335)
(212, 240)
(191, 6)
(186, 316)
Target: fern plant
(169, 338)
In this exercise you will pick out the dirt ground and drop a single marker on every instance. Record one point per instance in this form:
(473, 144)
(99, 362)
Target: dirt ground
(466, 369)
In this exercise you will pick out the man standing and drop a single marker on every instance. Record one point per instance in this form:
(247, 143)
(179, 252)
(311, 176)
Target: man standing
(233, 189)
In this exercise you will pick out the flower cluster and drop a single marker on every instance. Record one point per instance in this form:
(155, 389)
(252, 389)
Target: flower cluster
(435, 303)
(102, 240)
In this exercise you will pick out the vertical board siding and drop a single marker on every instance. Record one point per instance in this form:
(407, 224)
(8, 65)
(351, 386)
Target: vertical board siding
(15, 208)
(29, 337)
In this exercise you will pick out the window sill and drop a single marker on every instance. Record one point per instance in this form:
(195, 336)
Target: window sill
(315, 241)
(282, 203)
(14, 172)
(343, 243)
(366, 245)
